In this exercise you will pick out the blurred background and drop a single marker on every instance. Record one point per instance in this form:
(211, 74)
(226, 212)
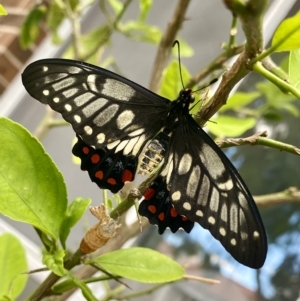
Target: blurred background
(265, 170)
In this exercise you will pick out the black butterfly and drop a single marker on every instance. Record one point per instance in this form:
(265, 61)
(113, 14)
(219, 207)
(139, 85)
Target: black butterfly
(115, 119)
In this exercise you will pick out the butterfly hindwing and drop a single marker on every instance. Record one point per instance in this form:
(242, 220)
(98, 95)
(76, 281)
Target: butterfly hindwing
(159, 210)
(108, 169)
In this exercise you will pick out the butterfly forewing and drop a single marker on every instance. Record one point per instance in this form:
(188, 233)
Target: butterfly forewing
(205, 187)
(102, 107)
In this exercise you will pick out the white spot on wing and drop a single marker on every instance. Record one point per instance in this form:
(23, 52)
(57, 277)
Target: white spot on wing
(193, 182)
(222, 231)
(233, 241)
(117, 90)
(124, 119)
(70, 92)
(93, 107)
(187, 206)
(176, 195)
(212, 220)
(130, 145)
(209, 158)
(68, 107)
(226, 186)
(56, 99)
(83, 98)
(121, 146)
(185, 164)
(224, 213)
(45, 68)
(77, 118)
(106, 115)
(100, 138)
(234, 218)
(199, 213)
(203, 194)
(214, 201)
(136, 132)
(46, 92)
(64, 83)
(113, 144)
(255, 234)
(74, 70)
(88, 130)
(138, 145)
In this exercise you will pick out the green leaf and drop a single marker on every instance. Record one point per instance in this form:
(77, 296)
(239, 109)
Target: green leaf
(54, 261)
(286, 36)
(273, 96)
(31, 27)
(54, 19)
(3, 12)
(32, 189)
(91, 41)
(74, 4)
(294, 68)
(171, 83)
(141, 32)
(239, 99)
(226, 126)
(145, 6)
(12, 264)
(74, 212)
(141, 264)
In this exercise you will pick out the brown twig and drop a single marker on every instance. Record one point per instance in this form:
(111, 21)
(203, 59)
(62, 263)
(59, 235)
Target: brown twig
(250, 14)
(290, 195)
(165, 46)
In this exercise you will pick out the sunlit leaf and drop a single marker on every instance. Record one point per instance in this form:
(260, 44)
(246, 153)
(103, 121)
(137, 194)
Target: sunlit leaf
(31, 27)
(294, 68)
(32, 189)
(3, 12)
(74, 212)
(141, 264)
(239, 99)
(286, 36)
(12, 267)
(171, 84)
(227, 126)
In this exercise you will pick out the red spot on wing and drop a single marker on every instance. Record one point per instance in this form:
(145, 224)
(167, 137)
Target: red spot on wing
(173, 212)
(99, 174)
(184, 218)
(149, 193)
(95, 158)
(152, 209)
(127, 176)
(161, 216)
(85, 150)
(111, 181)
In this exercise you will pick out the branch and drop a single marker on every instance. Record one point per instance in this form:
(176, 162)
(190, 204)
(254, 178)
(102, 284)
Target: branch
(250, 14)
(259, 139)
(165, 46)
(216, 64)
(290, 195)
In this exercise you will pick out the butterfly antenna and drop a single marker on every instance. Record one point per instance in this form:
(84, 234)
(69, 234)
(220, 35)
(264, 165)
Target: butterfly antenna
(176, 42)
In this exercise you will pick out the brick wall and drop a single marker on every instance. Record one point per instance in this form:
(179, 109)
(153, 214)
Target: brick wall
(12, 57)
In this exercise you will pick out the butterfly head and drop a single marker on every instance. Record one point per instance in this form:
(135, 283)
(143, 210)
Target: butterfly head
(186, 97)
